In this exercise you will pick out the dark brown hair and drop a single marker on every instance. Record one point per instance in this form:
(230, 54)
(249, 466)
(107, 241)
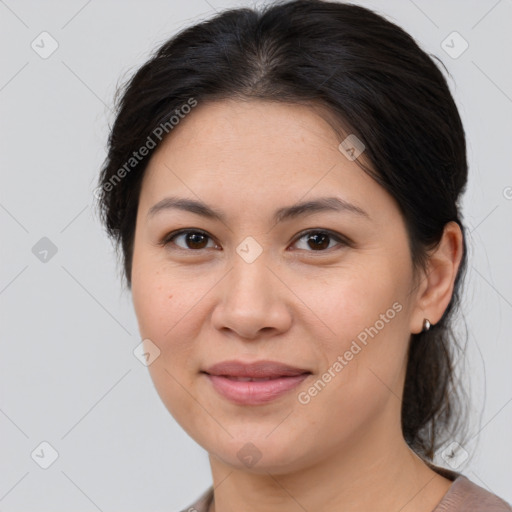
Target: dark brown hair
(376, 81)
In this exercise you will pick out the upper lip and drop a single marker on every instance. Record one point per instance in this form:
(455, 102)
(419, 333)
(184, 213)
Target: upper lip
(257, 369)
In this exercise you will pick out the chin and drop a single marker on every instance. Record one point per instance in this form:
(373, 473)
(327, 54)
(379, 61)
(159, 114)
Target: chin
(259, 454)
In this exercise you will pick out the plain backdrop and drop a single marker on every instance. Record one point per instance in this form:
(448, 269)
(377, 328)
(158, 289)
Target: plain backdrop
(68, 375)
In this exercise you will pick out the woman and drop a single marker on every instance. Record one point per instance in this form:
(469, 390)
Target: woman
(284, 187)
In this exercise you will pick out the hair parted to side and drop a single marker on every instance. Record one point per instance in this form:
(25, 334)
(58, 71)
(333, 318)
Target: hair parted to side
(374, 80)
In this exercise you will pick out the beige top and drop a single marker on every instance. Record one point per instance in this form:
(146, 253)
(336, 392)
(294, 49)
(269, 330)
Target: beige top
(462, 496)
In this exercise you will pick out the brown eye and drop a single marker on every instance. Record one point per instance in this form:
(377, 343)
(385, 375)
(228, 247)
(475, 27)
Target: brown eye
(319, 241)
(193, 240)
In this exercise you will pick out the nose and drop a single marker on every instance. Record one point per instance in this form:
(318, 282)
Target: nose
(252, 301)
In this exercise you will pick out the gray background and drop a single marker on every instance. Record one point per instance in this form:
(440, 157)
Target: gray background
(68, 375)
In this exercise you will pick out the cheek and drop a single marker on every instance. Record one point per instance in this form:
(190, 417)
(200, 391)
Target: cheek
(364, 351)
(151, 307)
(356, 302)
(162, 307)
(171, 306)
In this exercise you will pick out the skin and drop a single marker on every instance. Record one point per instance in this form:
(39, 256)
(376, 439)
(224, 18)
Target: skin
(203, 303)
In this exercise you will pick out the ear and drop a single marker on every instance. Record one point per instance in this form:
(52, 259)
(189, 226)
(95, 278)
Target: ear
(436, 284)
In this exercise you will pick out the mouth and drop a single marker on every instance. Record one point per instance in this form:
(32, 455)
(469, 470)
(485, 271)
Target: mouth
(254, 383)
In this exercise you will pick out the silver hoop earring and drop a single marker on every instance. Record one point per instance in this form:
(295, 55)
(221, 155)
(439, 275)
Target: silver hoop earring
(426, 325)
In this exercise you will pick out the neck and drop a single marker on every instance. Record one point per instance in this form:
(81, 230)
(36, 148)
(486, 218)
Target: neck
(372, 474)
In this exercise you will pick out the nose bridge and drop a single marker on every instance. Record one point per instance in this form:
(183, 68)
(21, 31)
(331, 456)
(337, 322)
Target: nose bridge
(250, 276)
(249, 300)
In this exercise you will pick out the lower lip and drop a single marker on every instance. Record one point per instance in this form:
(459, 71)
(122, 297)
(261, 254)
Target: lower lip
(254, 392)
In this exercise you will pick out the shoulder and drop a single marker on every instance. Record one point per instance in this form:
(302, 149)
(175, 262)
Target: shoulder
(464, 495)
(202, 503)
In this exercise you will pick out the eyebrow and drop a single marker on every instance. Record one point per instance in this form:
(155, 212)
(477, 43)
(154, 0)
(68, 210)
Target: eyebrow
(320, 204)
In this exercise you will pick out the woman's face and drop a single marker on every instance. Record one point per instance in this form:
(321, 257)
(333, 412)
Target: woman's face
(337, 304)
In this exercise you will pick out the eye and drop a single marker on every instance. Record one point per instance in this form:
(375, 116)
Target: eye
(196, 240)
(193, 239)
(319, 240)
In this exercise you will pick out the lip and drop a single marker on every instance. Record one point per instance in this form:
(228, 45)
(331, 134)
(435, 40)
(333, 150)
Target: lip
(280, 379)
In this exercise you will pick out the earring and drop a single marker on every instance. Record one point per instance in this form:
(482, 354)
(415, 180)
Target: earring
(426, 325)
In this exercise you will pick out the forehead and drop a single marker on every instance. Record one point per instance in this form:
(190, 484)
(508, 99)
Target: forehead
(256, 152)
(234, 128)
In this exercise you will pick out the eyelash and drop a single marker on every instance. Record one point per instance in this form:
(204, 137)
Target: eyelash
(343, 241)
